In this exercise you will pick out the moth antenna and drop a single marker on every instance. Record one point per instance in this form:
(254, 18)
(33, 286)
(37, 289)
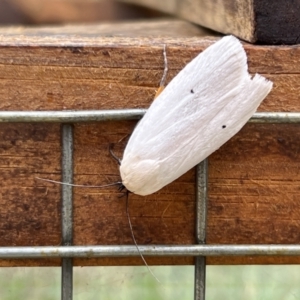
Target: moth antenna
(110, 147)
(119, 183)
(134, 240)
(164, 77)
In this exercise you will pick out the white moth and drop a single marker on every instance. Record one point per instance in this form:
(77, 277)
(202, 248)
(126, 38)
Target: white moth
(207, 103)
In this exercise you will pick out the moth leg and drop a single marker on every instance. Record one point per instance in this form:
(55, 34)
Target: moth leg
(110, 147)
(124, 193)
(163, 79)
(121, 188)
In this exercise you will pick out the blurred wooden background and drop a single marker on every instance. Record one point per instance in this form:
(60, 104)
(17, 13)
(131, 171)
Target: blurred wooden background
(68, 11)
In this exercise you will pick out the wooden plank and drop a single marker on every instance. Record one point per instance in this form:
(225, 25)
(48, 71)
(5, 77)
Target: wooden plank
(253, 179)
(256, 21)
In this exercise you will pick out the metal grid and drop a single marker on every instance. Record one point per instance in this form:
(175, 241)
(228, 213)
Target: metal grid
(67, 252)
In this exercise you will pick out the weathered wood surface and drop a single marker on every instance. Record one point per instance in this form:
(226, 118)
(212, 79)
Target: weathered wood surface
(253, 179)
(257, 21)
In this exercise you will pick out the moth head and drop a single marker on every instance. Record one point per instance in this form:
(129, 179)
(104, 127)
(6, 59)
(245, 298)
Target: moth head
(138, 174)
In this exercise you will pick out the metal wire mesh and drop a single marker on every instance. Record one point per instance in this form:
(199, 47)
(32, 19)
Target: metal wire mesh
(67, 252)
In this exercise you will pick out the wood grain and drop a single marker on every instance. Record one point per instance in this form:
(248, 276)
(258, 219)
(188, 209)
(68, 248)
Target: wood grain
(253, 179)
(256, 21)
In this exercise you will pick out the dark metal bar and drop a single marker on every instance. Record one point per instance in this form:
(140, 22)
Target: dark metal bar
(201, 217)
(67, 210)
(121, 114)
(275, 117)
(157, 250)
(71, 116)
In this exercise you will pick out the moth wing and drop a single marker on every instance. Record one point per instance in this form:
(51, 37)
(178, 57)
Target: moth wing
(207, 78)
(224, 125)
(186, 122)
